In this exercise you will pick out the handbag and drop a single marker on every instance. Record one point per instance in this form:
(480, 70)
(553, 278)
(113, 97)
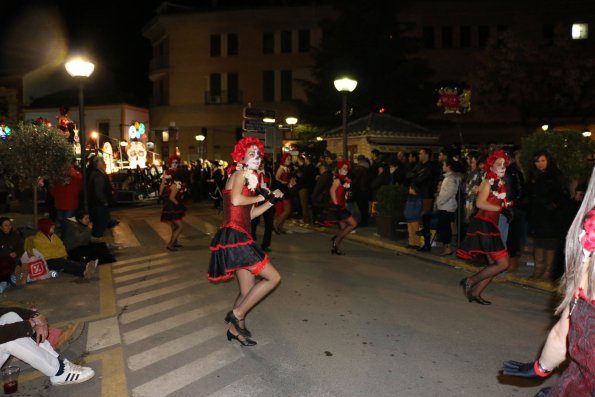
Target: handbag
(38, 267)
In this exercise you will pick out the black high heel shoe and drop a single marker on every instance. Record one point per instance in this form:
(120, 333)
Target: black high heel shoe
(245, 342)
(335, 251)
(231, 318)
(479, 300)
(466, 288)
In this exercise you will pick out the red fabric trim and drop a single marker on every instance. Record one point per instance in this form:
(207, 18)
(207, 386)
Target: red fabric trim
(255, 269)
(582, 295)
(334, 222)
(234, 226)
(495, 255)
(220, 246)
(483, 234)
(539, 372)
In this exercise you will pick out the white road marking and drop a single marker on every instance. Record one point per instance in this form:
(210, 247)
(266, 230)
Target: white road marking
(139, 259)
(124, 236)
(172, 322)
(158, 292)
(173, 347)
(149, 283)
(179, 378)
(144, 265)
(103, 333)
(136, 275)
(128, 317)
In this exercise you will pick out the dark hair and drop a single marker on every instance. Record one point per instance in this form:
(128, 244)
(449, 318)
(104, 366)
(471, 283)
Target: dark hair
(376, 152)
(454, 165)
(4, 219)
(81, 214)
(581, 187)
(415, 155)
(427, 150)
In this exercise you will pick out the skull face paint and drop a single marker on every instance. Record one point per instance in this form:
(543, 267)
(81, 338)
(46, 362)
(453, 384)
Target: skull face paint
(252, 158)
(499, 167)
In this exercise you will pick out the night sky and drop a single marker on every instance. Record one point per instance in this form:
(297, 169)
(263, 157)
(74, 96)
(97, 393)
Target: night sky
(34, 33)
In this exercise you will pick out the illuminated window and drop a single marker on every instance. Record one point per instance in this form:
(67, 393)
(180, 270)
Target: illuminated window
(580, 31)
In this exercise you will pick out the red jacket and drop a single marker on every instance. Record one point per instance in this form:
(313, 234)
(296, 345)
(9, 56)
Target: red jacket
(66, 196)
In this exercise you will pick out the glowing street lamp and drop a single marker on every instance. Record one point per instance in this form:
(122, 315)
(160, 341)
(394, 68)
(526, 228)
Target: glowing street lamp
(345, 85)
(81, 70)
(200, 139)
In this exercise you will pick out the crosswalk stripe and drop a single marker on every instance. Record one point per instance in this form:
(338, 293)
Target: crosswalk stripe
(144, 284)
(159, 292)
(134, 315)
(144, 265)
(201, 224)
(139, 259)
(171, 322)
(162, 229)
(179, 378)
(171, 348)
(149, 272)
(124, 236)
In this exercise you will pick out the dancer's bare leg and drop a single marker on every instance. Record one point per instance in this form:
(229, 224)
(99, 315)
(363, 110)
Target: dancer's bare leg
(481, 279)
(346, 228)
(245, 287)
(257, 291)
(284, 215)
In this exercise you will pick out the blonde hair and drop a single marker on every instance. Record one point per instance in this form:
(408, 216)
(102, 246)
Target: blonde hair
(578, 266)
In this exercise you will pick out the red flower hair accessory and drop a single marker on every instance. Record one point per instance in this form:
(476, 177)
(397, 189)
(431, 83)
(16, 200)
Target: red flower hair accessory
(341, 163)
(498, 154)
(239, 151)
(588, 238)
(284, 157)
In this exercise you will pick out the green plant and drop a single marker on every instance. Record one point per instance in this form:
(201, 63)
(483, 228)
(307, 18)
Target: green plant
(570, 150)
(391, 200)
(33, 152)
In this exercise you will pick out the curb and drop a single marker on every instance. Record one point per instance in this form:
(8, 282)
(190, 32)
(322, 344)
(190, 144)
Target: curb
(547, 286)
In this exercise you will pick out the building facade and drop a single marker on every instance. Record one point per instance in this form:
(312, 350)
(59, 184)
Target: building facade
(208, 65)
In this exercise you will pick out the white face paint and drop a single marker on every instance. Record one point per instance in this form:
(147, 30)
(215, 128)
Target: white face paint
(499, 167)
(253, 158)
(343, 170)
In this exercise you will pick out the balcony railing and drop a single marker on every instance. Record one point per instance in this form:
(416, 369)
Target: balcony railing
(222, 97)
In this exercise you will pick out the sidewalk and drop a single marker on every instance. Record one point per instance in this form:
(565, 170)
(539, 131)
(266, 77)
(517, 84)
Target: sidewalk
(369, 236)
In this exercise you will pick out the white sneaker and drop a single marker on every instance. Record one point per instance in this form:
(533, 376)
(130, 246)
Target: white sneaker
(90, 269)
(72, 374)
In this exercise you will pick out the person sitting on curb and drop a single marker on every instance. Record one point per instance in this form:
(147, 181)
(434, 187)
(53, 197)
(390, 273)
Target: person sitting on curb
(81, 246)
(23, 334)
(54, 251)
(11, 249)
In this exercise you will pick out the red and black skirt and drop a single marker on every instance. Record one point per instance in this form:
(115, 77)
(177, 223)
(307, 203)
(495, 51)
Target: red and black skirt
(172, 212)
(333, 214)
(233, 249)
(483, 238)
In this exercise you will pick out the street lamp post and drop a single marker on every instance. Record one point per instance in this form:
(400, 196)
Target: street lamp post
(81, 70)
(345, 85)
(200, 139)
(291, 121)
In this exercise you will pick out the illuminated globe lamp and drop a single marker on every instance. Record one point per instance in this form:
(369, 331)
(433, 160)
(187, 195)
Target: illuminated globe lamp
(81, 69)
(345, 85)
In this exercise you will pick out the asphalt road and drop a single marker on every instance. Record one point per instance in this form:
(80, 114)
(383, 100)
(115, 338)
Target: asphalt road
(370, 323)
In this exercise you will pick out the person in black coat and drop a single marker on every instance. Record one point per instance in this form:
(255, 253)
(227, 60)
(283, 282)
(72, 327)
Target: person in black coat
(546, 195)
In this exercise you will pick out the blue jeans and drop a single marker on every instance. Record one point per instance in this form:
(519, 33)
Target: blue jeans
(62, 216)
(100, 218)
(503, 226)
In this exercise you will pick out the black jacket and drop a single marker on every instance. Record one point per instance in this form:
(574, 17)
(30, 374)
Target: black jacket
(100, 189)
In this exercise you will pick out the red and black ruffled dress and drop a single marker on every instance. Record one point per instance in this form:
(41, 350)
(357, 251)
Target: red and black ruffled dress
(579, 378)
(233, 248)
(483, 235)
(173, 212)
(335, 213)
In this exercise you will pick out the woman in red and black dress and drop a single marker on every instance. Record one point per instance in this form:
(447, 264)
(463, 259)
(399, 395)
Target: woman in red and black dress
(285, 180)
(233, 250)
(483, 236)
(173, 207)
(336, 213)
